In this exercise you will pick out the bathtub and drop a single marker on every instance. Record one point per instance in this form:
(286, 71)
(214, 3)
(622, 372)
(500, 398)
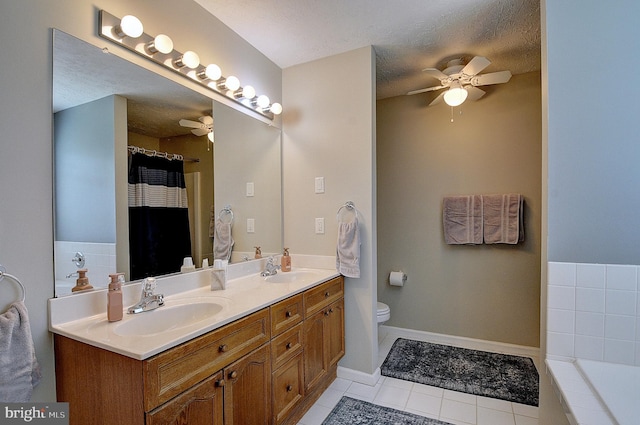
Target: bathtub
(617, 385)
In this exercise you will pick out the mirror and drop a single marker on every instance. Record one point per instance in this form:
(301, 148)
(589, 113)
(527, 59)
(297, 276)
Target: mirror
(102, 104)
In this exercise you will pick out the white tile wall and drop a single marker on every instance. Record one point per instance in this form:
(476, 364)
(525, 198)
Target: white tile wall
(100, 261)
(593, 312)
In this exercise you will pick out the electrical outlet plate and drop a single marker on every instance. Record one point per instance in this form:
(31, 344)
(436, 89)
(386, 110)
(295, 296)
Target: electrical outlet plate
(319, 184)
(320, 226)
(250, 188)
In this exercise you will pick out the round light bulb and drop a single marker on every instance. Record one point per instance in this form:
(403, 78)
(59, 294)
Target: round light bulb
(190, 59)
(232, 83)
(455, 96)
(213, 72)
(161, 43)
(248, 92)
(129, 26)
(262, 101)
(276, 109)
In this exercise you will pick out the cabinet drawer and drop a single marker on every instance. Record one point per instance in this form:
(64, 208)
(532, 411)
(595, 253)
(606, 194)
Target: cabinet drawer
(285, 346)
(285, 314)
(317, 298)
(175, 370)
(288, 388)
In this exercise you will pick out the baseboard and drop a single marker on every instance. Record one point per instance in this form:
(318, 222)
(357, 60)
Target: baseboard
(464, 342)
(357, 376)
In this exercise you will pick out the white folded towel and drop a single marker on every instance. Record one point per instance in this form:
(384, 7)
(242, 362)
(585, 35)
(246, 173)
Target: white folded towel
(348, 249)
(503, 218)
(462, 219)
(19, 369)
(222, 240)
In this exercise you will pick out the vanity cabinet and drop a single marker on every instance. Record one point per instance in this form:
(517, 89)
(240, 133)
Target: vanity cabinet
(266, 368)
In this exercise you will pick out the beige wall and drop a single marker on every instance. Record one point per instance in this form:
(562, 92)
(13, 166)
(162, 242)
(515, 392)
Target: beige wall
(329, 131)
(489, 292)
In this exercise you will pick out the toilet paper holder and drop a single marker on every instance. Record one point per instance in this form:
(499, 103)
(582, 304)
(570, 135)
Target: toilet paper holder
(397, 278)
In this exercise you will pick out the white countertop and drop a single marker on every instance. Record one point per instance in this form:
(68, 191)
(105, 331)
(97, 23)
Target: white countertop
(83, 317)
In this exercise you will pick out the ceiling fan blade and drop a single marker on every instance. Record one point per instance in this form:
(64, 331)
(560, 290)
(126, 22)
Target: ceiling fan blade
(437, 99)
(425, 90)
(436, 73)
(189, 123)
(206, 119)
(477, 64)
(200, 131)
(491, 78)
(474, 93)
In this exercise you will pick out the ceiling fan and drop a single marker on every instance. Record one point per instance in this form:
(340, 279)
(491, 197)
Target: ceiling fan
(203, 126)
(462, 80)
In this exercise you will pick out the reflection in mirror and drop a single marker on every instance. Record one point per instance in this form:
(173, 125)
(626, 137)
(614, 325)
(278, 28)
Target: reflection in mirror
(102, 105)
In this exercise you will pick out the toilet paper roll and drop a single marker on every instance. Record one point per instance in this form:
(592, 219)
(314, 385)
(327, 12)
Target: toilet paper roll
(397, 278)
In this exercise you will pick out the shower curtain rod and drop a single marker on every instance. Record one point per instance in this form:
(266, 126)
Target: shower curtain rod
(169, 156)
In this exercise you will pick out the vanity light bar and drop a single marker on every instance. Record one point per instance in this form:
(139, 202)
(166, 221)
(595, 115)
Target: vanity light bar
(159, 49)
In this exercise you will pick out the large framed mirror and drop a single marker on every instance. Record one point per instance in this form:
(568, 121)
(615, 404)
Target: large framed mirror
(107, 110)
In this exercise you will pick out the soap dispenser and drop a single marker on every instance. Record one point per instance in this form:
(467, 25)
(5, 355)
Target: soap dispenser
(258, 253)
(114, 297)
(82, 282)
(285, 261)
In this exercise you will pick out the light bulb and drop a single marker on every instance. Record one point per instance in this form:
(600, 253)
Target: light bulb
(161, 43)
(212, 72)
(232, 83)
(129, 26)
(248, 92)
(210, 136)
(189, 59)
(455, 95)
(263, 101)
(276, 109)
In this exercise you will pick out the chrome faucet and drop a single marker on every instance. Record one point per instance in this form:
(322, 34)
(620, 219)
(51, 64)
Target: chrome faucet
(148, 300)
(269, 269)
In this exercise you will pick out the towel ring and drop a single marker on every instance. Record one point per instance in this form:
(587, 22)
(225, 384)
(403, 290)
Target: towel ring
(348, 206)
(4, 274)
(226, 211)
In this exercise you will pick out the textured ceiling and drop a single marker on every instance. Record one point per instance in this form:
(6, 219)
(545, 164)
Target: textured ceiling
(407, 35)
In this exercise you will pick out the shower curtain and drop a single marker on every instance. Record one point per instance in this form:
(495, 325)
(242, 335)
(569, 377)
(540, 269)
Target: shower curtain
(159, 236)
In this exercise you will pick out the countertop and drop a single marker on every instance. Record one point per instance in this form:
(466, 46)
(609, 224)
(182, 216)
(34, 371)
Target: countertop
(82, 317)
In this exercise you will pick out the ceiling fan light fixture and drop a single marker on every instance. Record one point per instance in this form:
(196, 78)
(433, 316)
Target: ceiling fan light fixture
(456, 95)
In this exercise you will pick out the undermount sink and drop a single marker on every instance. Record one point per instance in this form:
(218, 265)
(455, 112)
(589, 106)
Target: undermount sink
(294, 276)
(167, 318)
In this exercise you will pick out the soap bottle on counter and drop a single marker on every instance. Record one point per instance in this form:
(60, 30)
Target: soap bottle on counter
(114, 297)
(82, 282)
(285, 261)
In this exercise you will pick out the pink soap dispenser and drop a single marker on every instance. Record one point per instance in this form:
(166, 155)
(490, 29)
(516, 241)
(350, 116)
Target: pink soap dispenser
(114, 297)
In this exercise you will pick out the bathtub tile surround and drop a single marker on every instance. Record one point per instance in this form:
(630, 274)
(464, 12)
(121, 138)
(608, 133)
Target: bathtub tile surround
(100, 260)
(593, 314)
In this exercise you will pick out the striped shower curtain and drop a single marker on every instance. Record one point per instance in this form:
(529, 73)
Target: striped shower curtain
(159, 236)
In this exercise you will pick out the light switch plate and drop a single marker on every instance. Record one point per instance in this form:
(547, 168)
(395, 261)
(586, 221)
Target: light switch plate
(250, 188)
(319, 184)
(320, 226)
(251, 225)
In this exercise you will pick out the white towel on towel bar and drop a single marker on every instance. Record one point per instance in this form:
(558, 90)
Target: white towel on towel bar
(348, 249)
(19, 369)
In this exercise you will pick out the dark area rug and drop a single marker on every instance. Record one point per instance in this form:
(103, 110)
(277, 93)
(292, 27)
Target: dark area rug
(502, 376)
(351, 411)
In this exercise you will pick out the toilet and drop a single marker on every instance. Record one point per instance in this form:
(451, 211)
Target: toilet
(383, 313)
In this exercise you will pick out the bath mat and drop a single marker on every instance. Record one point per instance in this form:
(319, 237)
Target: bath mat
(350, 411)
(502, 376)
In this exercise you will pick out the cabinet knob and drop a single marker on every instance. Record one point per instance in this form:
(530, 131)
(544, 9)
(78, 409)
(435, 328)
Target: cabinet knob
(289, 388)
(223, 348)
(288, 314)
(326, 294)
(233, 375)
(220, 383)
(330, 310)
(326, 312)
(289, 345)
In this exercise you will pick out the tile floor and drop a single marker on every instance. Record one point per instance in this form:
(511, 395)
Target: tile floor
(448, 406)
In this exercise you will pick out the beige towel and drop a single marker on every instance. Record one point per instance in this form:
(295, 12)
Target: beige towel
(462, 219)
(222, 240)
(503, 219)
(348, 249)
(19, 369)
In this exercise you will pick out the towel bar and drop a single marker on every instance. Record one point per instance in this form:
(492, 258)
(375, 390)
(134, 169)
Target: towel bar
(349, 205)
(4, 274)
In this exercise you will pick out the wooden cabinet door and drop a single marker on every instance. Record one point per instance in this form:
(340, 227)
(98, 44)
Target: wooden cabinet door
(200, 405)
(288, 388)
(335, 337)
(315, 359)
(247, 389)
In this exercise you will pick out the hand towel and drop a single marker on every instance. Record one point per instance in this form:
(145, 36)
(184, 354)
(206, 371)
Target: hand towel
(348, 249)
(462, 219)
(19, 369)
(503, 218)
(222, 240)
